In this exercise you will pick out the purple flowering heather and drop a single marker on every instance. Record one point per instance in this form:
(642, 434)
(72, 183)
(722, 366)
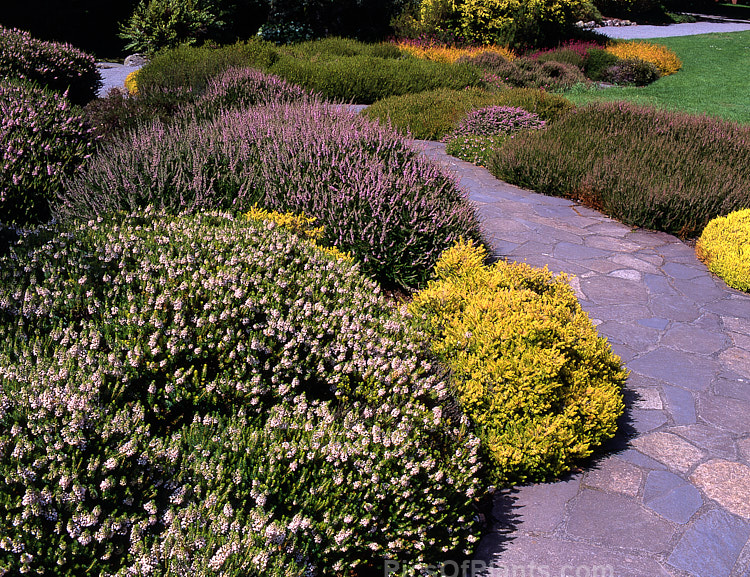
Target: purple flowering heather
(376, 196)
(42, 138)
(494, 120)
(57, 66)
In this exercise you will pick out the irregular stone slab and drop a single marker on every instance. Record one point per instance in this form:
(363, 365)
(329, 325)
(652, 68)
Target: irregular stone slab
(540, 507)
(737, 360)
(730, 307)
(737, 325)
(539, 556)
(674, 308)
(615, 476)
(682, 271)
(733, 388)
(740, 340)
(641, 460)
(727, 483)
(611, 244)
(626, 273)
(671, 496)
(645, 421)
(654, 323)
(711, 546)
(680, 404)
(648, 398)
(617, 521)
(614, 291)
(730, 414)
(673, 451)
(633, 335)
(659, 284)
(676, 367)
(693, 339)
(712, 440)
(638, 264)
(621, 313)
(610, 228)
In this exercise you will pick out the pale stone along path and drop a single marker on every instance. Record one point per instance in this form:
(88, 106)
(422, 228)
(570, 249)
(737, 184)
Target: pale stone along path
(671, 497)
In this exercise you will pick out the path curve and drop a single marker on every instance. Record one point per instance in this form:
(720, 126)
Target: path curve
(672, 495)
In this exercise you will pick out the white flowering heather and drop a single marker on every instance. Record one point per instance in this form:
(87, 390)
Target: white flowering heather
(209, 396)
(42, 139)
(54, 65)
(376, 197)
(495, 120)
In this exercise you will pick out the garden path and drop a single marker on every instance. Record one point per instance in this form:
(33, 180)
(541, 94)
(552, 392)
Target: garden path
(671, 494)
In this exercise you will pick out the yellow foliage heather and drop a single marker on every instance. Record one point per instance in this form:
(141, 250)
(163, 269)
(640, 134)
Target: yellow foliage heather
(131, 83)
(725, 248)
(299, 224)
(540, 386)
(451, 54)
(660, 56)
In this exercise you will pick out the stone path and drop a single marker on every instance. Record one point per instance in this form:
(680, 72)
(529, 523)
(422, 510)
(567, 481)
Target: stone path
(671, 496)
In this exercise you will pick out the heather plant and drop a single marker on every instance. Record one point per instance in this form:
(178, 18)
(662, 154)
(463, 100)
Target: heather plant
(660, 56)
(211, 395)
(429, 115)
(541, 388)
(657, 169)
(502, 73)
(377, 198)
(473, 148)
(444, 53)
(632, 71)
(598, 61)
(494, 120)
(548, 106)
(53, 65)
(43, 138)
(724, 245)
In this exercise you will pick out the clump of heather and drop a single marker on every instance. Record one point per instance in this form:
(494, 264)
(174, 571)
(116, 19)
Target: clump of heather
(57, 66)
(240, 87)
(206, 394)
(377, 198)
(493, 120)
(43, 138)
(658, 169)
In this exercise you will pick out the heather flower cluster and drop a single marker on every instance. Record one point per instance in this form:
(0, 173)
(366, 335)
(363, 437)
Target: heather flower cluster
(377, 198)
(43, 138)
(215, 395)
(444, 53)
(57, 66)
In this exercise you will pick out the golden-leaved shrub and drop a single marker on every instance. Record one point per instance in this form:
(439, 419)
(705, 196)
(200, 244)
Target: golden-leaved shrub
(540, 386)
(725, 248)
(662, 57)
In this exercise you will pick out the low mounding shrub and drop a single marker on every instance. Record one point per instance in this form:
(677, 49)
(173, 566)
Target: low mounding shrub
(208, 395)
(496, 120)
(473, 148)
(597, 62)
(429, 115)
(366, 79)
(660, 56)
(43, 138)
(661, 170)
(632, 71)
(548, 106)
(376, 197)
(59, 67)
(725, 248)
(528, 73)
(630, 8)
(444, 53)
(541, 388)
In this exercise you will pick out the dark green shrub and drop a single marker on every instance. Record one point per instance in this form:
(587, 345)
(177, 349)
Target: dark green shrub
(333, 47)
(548, 106)
(597, 62)
(189, 67)
(634, 9)
(430, 115)
(632, 71)
(364, 79)
(541, 388)
(202, 394)
(661, 170)
(157, 24)
(59, 67)
(43, 138)
(377, 198)
(563, 55)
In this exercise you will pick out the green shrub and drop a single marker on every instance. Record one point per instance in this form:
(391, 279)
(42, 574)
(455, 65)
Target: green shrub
(203, 394)
(632, 71)
(430, 115)
(59, 67)
(157, 24)
(334, 47)
(724, 246)
(635, 9)
(548, 106)
(365, 79)
(657, 169)
(597, 62)
(43, 139)
(563, 55)
(190, 67)
(541, 388)
(375, 195)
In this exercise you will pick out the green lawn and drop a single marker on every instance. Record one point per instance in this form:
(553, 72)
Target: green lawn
(713, 80)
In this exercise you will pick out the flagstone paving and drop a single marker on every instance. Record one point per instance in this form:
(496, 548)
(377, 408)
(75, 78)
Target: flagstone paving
(670, 495)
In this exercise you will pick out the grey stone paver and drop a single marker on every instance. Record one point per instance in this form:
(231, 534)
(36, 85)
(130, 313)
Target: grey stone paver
(672, 497)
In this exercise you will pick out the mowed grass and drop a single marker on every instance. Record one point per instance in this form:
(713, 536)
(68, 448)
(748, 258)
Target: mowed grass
(714, 79)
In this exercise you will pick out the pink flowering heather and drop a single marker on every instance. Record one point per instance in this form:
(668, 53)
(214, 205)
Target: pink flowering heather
(57, 66)
(494, 120)
(42, 139)
(376, 197)
(204, 395)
